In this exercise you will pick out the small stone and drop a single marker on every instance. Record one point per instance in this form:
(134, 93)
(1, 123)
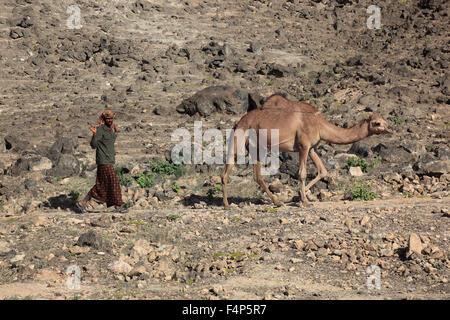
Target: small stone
(355, 171)
(79, 250)
(90, 239)
(137, 271)
(311, 255)
(310, 245)
(348, 222)
(415, 245)
(275, 186)
(141, 248)
(364, 220)
(17, 258)
(299, 244)
(4, 247)
(335, 258)
(120, 267)
(217, 289)
(386, 252)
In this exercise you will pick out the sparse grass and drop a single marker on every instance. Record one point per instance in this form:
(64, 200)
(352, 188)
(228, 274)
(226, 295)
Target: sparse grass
(363, 192)
(137, 222)
(408, 194)
(398, 121)
(270, 209)
(237, 219)
(439, 265)
(173, 217)
(218, 254)
(190, 282)
(9, 220)
(362, 163)
(236, 255)
(337, 104)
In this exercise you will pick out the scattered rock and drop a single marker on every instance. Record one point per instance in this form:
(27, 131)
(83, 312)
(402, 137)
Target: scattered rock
(220, 99)
(90, 239)
(414, 244)
(355, 171)
(120, 267)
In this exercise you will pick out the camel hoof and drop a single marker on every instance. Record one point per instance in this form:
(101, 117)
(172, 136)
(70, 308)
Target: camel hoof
(277, 203)
(304, 204)
(226, 207)
(307, 204)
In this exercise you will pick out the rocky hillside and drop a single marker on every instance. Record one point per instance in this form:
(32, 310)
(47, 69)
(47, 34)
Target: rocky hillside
(163, 64)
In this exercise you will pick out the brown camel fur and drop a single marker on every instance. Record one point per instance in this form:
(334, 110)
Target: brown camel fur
(301, 127)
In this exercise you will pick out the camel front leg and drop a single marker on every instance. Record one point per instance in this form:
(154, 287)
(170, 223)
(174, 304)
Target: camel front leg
(321, 170)
(224, 177)
(303, 156)
(262, 184)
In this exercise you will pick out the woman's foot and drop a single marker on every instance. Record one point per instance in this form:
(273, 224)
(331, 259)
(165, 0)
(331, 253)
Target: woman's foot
(120, 209)
(80, 207)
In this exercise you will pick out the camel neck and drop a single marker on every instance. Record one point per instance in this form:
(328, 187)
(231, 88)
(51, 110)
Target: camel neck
(338, 135)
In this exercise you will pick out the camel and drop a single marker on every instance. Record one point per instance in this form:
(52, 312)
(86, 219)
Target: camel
(301, 128)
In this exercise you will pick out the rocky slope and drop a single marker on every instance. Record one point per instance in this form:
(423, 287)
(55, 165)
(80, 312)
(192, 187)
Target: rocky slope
(147, 60)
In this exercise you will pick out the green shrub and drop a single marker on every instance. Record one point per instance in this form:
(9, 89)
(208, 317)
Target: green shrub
(176, 187)
(212, 191)
(363, 192)
(124, 180)
(398, 121)
(145, 180)
(74, 195)
(172, 217)
(165, 167)
(358, 162)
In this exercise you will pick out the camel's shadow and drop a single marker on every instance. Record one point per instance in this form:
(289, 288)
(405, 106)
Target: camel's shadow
(218, 201)
(61, 202)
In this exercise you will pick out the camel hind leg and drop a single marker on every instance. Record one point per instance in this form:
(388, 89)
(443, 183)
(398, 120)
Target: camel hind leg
(224, 177)
(322, 171)
(303, 155)
(262, 184)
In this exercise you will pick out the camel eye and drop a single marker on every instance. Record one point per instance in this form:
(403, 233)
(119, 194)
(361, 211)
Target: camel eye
(376, 124)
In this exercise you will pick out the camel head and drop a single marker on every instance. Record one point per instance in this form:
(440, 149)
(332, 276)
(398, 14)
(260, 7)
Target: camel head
(377, 125)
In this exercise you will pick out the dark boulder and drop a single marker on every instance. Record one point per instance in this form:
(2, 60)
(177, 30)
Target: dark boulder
(216, 99)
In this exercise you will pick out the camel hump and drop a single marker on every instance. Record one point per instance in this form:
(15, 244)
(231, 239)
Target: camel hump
(275, 100)
(279, 101)
(306, 107)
